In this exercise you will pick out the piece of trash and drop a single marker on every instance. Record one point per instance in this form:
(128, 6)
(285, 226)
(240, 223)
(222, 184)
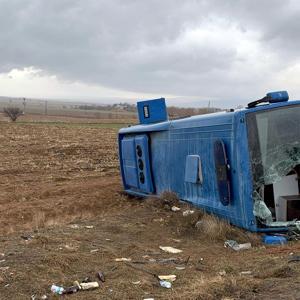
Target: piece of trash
(222, 273)
(44, 297)
(58, 290)
(123, 259)
(170, 249)
(101, 276)
(71, 290)
(170, 278)
(274, 240)
(148, 299)
(74, 226)
(94, 250)
(165, 284)
(109, 240)
(27, 237)
(89, 285)
(7, 285)
(245, 273)
(294, 258)
(89, 226)
(76, 283)
(188, 212)
(175, 208)
(236, 246)
(136, 282)
(180, 267)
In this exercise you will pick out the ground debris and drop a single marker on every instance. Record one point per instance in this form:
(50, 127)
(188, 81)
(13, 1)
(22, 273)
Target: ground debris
(170, 249)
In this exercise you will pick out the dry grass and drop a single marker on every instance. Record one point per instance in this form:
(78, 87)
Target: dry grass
(226, 288)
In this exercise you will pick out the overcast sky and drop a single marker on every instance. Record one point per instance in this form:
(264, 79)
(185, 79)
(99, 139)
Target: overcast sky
(229, 52)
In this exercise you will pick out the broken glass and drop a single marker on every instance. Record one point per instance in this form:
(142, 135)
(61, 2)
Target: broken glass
(274, 144)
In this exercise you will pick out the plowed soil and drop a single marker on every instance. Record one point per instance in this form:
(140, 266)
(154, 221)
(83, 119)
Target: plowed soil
(64, 218)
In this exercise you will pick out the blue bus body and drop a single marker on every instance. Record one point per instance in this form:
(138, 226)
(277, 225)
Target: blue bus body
(163, 156)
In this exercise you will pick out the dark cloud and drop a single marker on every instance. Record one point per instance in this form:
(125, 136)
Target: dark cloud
(209, 49)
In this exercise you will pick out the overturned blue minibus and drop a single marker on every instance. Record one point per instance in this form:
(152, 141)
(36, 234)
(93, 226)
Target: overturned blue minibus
(241, 165)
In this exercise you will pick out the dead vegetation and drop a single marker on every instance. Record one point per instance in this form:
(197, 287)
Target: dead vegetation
(74, 221)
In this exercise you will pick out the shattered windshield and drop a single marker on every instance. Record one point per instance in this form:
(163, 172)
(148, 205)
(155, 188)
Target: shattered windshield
(274, 142)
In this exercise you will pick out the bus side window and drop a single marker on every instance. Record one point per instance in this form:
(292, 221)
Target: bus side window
(222, 172)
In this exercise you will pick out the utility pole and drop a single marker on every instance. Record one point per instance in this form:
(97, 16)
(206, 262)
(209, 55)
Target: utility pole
(24, 104)
(46, 107)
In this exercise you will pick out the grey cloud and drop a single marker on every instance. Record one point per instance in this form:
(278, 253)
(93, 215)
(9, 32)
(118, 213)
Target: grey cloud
(135, 45)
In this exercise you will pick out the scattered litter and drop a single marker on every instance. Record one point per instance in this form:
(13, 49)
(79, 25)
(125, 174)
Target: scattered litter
(76, 283)
(180, 267)
(74, 226)
(153, 260)
(165, 284)
(7, 285)
(188, 212)
(170, 278)
(123, 259)
(222, 273)
(101, 276)
(274, 240)
(294, 258)
(89, 226)
(136, 282)
(245, 273)
(89, 285)
(44, 297)
(148, 299)
(71, 248)
(58, 290)
(94, 250)
(170, 249)
(109, 240)
(27, 237)
(175, 208)
(71, 290)
(236, 246)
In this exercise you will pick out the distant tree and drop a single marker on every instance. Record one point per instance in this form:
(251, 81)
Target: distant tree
(13, 112)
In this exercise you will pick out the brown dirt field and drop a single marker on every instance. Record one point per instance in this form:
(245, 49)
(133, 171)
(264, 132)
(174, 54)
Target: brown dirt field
(55, 180)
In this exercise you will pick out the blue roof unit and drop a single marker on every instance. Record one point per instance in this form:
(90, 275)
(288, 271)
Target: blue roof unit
(236, 165)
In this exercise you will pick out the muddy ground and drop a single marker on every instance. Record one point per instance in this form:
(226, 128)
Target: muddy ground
(64, 217)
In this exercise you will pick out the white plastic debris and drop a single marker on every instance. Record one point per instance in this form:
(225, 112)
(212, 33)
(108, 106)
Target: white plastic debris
(188, 212)
(89, 226)
(245, 273)
(89, 285)
(165, 284)
(123, 259)
(170, 278)
(58, 290)
(175, 208)
(136, 282)
(170, 249)
(236, 246)
(74, 226)
(94, 250)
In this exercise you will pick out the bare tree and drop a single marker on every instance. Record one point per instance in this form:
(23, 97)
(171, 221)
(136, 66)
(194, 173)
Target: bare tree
(13, 112)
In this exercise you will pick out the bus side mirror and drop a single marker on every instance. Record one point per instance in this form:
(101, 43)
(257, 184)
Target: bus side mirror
(222, 172)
